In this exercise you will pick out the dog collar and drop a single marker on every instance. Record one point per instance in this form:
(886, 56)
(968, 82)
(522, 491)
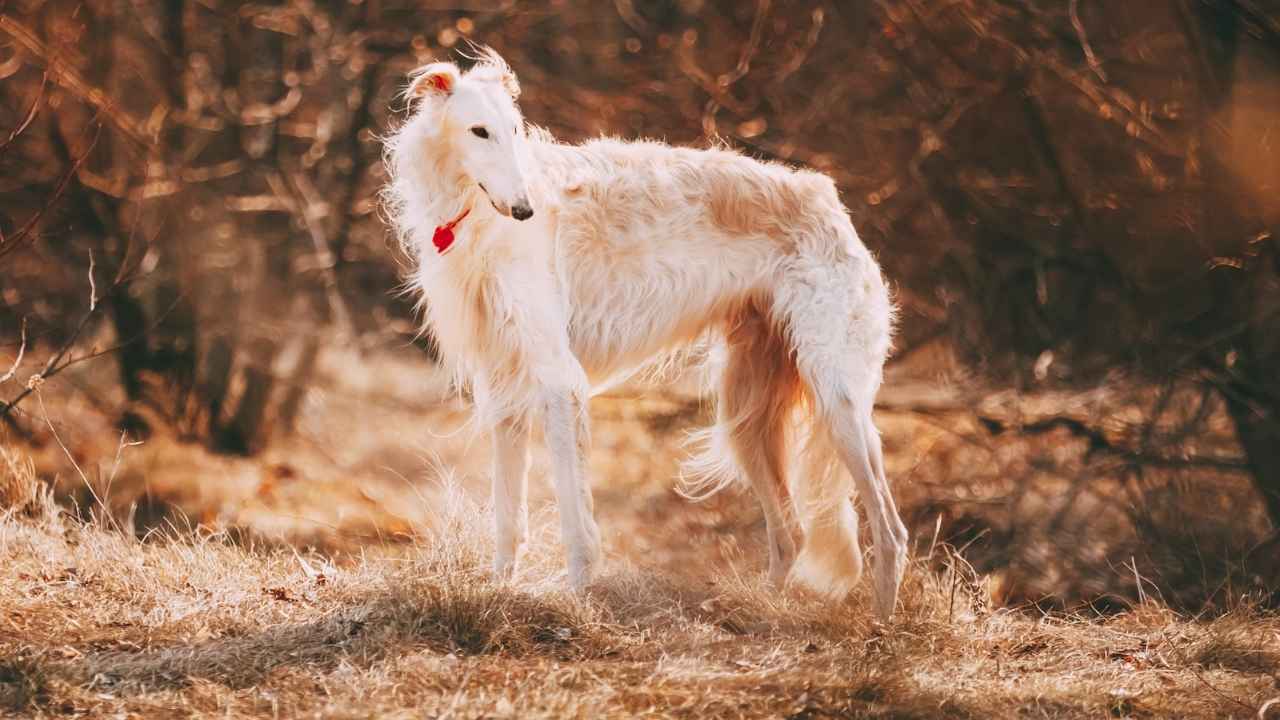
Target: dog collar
(443, 236)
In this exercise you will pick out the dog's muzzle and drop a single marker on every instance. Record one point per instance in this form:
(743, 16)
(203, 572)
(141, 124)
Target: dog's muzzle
(519, 211)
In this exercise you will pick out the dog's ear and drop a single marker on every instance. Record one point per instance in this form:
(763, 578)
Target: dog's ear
(511, 84)
(437, 79)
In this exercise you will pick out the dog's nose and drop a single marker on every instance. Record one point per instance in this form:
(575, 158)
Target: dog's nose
(521, 212)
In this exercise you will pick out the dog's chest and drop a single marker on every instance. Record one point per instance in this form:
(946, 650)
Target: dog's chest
(495, 308)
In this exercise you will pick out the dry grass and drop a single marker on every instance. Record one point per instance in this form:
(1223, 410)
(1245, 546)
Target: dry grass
(342, 572)
(98, 622)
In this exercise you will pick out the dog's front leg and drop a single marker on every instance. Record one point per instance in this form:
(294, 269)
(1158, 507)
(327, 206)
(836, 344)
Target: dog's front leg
(567, 432)
(510, 504)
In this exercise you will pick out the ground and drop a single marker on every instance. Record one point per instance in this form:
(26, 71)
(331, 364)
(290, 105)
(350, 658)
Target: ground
(344, 573)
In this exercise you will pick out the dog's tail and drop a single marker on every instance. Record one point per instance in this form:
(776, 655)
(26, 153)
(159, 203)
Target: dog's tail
(830, 560)
(816, 482)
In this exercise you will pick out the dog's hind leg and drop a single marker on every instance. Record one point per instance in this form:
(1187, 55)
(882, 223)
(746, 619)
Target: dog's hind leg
(758, 390)
(837, 315)
(510, 484)
(891, 561)
(853, 433)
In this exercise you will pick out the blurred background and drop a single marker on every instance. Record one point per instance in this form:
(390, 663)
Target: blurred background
(1077, 203)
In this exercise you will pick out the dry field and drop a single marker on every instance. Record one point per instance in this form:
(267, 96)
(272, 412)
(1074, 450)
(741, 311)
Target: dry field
(343, 574)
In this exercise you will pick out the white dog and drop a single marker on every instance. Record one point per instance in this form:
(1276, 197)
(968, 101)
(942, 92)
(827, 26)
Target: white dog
(548, 270)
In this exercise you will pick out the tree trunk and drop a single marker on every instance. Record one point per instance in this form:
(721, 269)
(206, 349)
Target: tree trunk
(1257, 421)
(246, 432)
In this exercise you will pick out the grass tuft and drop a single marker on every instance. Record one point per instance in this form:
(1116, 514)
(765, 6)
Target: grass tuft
(100, 622)
(20, 490)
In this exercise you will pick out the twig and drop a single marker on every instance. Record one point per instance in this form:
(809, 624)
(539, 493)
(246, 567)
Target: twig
(300, 195)
(69, 78)
(52, 367)
(141, 335)
(749, 50)
(718, 89)
(8, 245)
(1218, 692)
(816, 20)
(1094, 65)
(115, 464)
(627, 11)
(31, 115)
(18, 360)
(85, 478)
(93, 285)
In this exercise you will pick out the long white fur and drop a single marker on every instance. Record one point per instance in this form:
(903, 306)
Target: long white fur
(635, 250)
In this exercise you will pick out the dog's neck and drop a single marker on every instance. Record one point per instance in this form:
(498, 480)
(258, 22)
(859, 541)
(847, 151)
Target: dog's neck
(444, 236)
(455, 206)
(450, 192)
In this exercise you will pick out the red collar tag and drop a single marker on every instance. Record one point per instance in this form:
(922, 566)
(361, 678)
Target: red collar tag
(443, 236)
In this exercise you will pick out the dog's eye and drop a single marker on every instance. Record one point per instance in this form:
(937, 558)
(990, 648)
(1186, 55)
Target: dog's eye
(480, 132)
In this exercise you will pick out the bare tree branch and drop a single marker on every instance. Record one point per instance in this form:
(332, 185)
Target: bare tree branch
(26, 232)
(22, 348)
(1094, 65)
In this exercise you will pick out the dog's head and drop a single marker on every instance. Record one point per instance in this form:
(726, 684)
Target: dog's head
(475, 114)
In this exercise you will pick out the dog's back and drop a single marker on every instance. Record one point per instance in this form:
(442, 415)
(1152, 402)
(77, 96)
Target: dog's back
(659, 243)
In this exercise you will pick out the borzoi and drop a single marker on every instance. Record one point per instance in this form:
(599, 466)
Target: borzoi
(549, 270)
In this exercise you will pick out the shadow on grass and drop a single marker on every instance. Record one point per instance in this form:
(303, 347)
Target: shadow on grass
(629, 618)
(462, 620)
